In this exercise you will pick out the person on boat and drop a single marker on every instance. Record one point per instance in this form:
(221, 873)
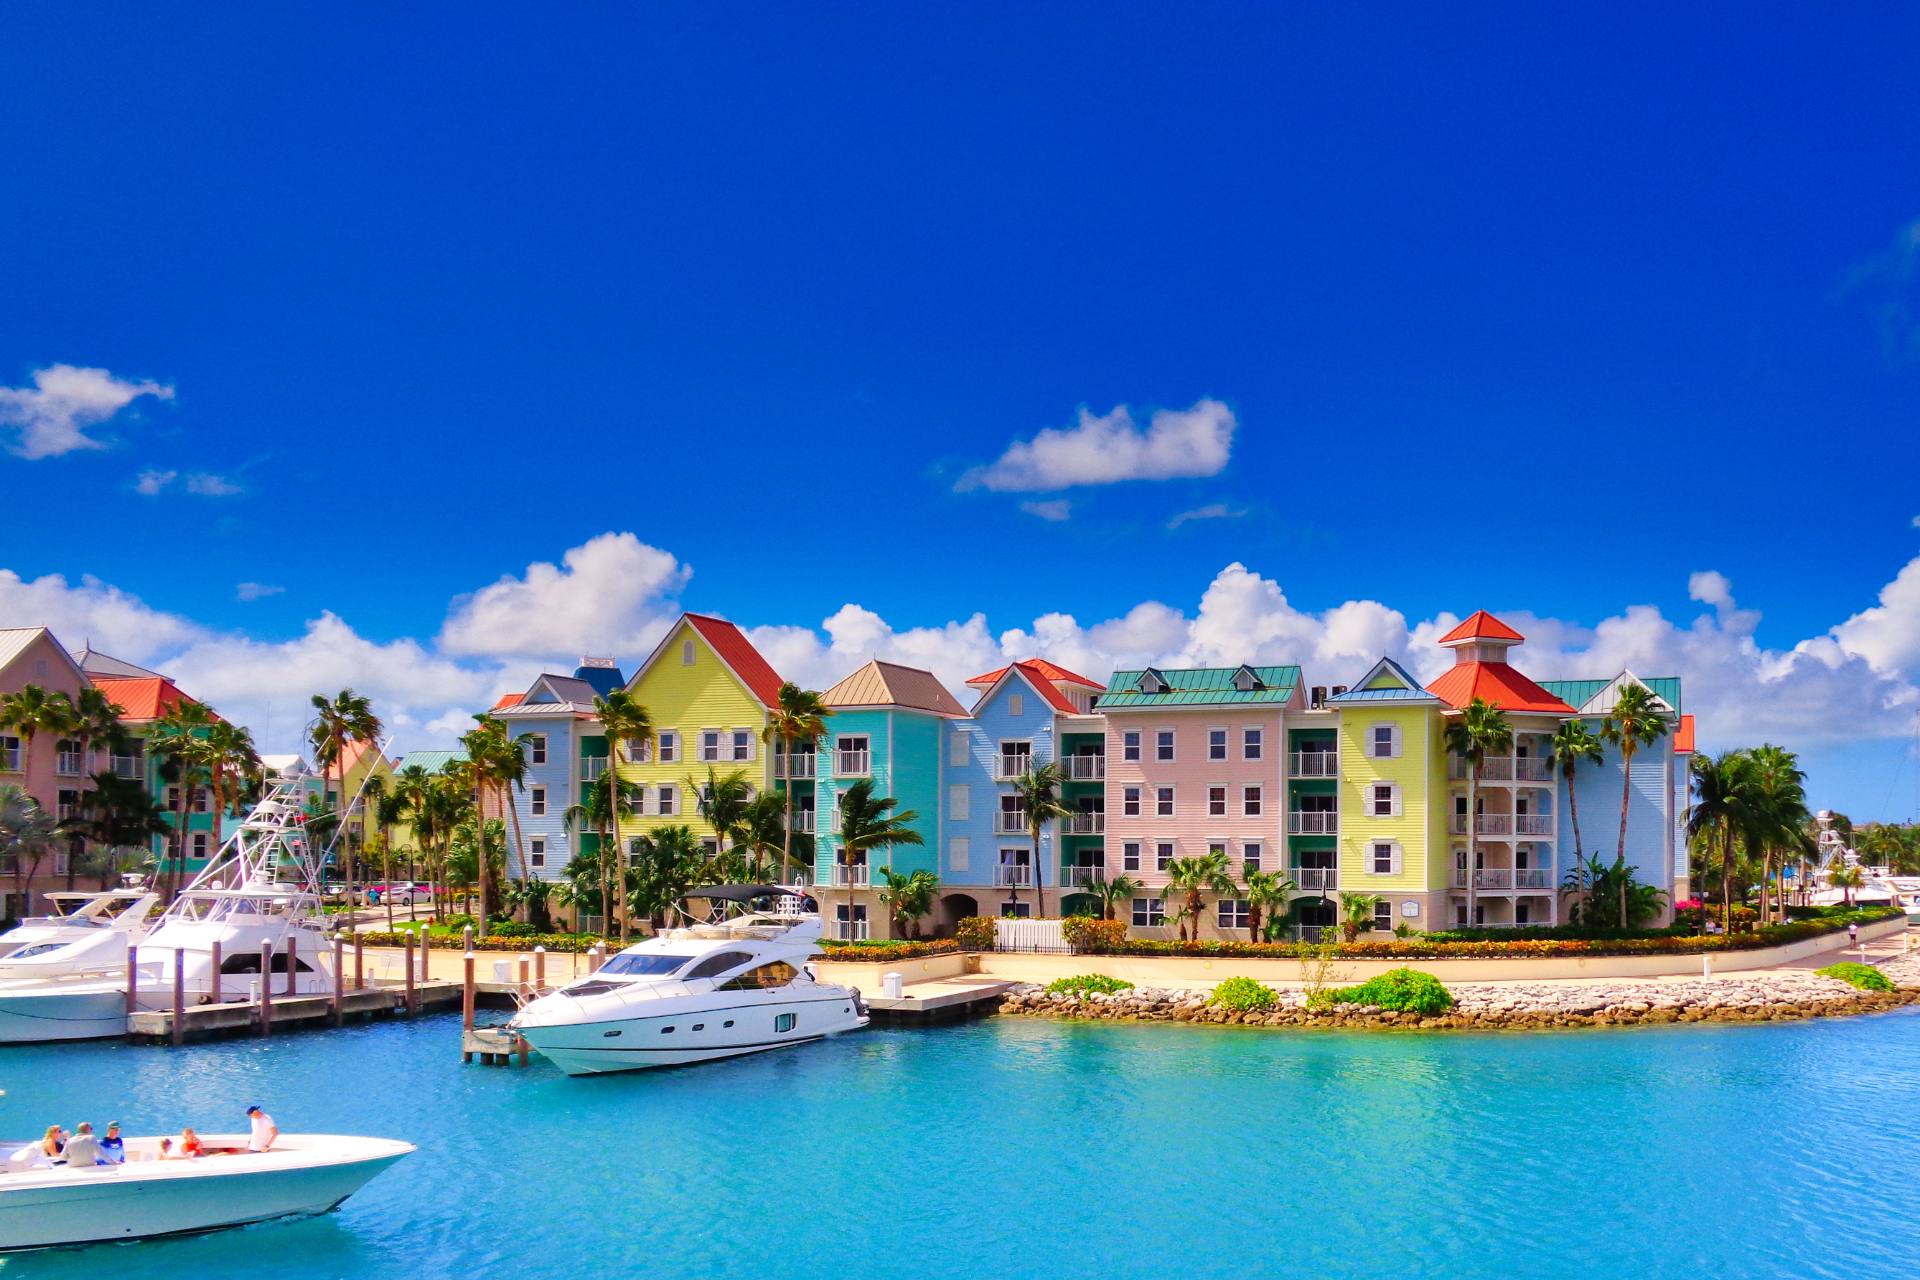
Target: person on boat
(166, 1150)
(264, 1130)
(54, 1143)
(113, 1146)
(190, 1144)
(83, 1149)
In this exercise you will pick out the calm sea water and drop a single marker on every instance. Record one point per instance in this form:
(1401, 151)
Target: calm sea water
(1015, 1148)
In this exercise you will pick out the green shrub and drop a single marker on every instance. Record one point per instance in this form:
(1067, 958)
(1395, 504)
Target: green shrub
(1088, 935)
(510, 929)
(1863, 976)
(1400, 990)
(1087, 984)
(975, 933)
(1243, 995)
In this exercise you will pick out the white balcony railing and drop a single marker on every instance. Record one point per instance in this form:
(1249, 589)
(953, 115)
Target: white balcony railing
(1533, 878)
(1532, 769)
(1084, 824)
(1489, 824)
(1532, 824)
(129, 767)
(853, 764)
(1085, 768)
(1315, 878)
(1315, 764)
(1010, 875)
(1080, 877)
(591, 767)
(1014, 766)
(1010, 823)
(795, 765)
(803, 820)
(1498, 878)
(849, 875)
(850, 930)
(69, 764)
(1313, 823)
(1496, 769)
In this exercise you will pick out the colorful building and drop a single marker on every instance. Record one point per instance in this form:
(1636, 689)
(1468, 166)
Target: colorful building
(53, 772)
(555, 722)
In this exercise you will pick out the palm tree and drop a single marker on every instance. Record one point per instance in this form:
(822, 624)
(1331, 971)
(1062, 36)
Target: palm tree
(1267, 894)
(1119, 889)
(31, 712)
(800, 717)
(1191, 879)
(1482, 730)
(390, 806)
(1356, 913)
(97, 721)
(604, 802)
(908, 898)
(722, 801)
(347, 719)
(865, 825)
(1571, 745)
(496, 765)
(179, 740)
(1039, 792)
(667, 862)
(118, 813)
(1636, 721)
(1717, 814)
(1847, 879)
(228, 753)
(1776, 813)
(625, 722)
(763, 831)
(27, 834)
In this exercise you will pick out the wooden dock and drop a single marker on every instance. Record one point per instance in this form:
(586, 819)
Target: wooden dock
(285, 1013)
(943, 1000)
(494, 1046)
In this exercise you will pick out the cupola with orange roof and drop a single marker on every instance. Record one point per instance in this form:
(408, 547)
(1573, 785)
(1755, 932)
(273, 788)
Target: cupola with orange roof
(1480, 669)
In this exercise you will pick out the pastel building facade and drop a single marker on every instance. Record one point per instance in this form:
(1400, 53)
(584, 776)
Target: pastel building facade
(565, 749)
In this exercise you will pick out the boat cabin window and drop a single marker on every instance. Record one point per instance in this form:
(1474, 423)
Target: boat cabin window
(642, 965)
(249, 962)
(719, 963)
(777, 974)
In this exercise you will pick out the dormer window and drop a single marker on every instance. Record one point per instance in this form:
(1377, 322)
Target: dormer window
(1245, 680)
(1152, 681)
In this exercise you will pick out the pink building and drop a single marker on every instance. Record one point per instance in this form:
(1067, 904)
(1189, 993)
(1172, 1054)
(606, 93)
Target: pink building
(54, 775)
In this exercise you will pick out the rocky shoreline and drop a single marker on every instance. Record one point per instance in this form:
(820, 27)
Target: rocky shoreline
(1774, 997)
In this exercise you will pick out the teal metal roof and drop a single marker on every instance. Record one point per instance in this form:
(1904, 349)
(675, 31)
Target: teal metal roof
(1199, 686)
(1576, 693)
(431, 761)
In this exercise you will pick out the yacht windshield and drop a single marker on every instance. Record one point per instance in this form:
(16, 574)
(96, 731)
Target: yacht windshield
(643, 966)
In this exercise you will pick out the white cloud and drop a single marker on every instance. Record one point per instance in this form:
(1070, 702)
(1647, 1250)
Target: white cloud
(1056, 510)
(53, 415)
(256, 591)
(211, 486)
(611, 596)
(1212, 511)
(152, 482)
(1109, 449)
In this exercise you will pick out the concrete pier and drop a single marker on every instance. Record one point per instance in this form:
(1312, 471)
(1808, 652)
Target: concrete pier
(199, 1022)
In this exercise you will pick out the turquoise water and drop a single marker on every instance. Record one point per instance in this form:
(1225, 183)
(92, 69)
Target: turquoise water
(1016, 1148)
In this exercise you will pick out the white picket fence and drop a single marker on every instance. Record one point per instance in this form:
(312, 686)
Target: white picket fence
(1030, 935)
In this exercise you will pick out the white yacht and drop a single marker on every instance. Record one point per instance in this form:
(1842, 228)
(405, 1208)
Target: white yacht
(274, 903)
(90, 934)
(52, 1205)
(734, 983)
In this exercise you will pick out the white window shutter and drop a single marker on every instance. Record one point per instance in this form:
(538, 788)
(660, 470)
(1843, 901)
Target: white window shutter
(1398, 858)
(1399, 749)
(1397, 811)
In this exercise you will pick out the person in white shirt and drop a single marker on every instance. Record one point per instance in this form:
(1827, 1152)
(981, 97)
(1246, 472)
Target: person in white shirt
(264, 1130)
(83, 1149)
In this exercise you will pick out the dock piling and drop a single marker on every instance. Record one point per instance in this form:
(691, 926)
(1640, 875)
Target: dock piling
(359, 959)
(412, 1006)
(179, 997)
(466, 1010)
(266, 989)
(522, 988)
(339, 958)
(539, 970)
(133, 979)
(213, 978)
(293, 962)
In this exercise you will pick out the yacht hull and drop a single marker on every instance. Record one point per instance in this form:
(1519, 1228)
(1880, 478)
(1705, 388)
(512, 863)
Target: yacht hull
(687, 1036)
(50, 1208)
(90, 1012)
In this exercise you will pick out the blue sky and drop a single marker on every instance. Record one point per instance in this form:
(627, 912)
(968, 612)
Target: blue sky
(1541, 311)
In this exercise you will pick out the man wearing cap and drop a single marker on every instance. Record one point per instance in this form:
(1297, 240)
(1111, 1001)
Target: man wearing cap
(264, 1130)
(113, 1148)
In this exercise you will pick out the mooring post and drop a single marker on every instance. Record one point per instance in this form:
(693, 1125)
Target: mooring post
(133, 979)
(466, 935)
(214, 994)
(593, 958)
(339, 962)
(525, 963)
(293, 963)
(410, 1005)
(359, 959)
(179, 996)
(266, 989)
(539, 970)
(426, 965)
(466, 997)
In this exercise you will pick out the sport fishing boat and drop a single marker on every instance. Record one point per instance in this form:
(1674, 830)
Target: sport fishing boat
(147, 1196)
(269, 917)
(733, 983)
(89, 934)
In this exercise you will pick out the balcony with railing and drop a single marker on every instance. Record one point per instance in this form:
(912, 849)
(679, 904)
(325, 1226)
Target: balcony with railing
(1012, 875)
(1486, 878)
(1314, 764)
(591, 767)
(849, 875)
(1533, 878)
(1532, 769)
(1084, 768)
(803, 820)
(1084, 824)
(1006, 767)
(69, 761)
(134, 767)
(1313, 822)
(795, 764)
(853, 764)
(1080, 877)
(1489, 824)
(1532, 824)
(1315, 879)
(1010, 822)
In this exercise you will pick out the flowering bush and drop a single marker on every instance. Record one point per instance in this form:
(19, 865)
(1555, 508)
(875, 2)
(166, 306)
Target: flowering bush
(1243, 995)
(1087, 984)
(1086, 934)
(1863, 976)
(883, 952)
(1399, 990)
(575, 943)
(975, 933)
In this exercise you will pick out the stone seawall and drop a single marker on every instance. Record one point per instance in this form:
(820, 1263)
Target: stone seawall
(1773, 998)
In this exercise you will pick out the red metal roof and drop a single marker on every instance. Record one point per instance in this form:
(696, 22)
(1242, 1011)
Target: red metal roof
(142, 699)
(1683, 736)
(508, 700)
(738, 652)
(1499, 684)
(1481, 626)
(1036, 674)
(1040, 669)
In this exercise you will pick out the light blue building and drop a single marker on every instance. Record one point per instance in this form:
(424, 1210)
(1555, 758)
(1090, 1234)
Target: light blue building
(565, 750)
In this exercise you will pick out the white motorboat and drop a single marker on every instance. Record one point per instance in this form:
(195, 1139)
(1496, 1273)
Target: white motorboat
(90, 934)
(227, 1187)
(269, 919)
(735, 983)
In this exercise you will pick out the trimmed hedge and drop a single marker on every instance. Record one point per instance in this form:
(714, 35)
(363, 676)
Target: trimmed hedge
(1243, 995)
(576, 943)
(1087, 984)
(1087, 935)
(1863, 976)
(883, 952)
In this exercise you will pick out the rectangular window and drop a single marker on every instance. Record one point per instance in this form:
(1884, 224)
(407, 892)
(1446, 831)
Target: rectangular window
(957, 854)
(1016, 910)
(1249, 858)
(537, 749)
(1252, 742)
(710, 744)
(1130, 856)
(742, 744)
(173, 798)
(9, 753)
(1251, 801)
(1163, 802)
(536, 853)
(958, 750)
(1233, 914)
(1016, 705)
(1382, 859)
(1382, 799)
(1013, 813)
(1163, 744)
(67, 759)
(639, 750)
(1162, 855)
(67, 806)
(537, 802)
(1216, 744)
(1149, 913)
(1130, 802)
(1217, 849)
(1216, 802)
(669, 746)
(959, 803)
(1383, 916)
(853, 758)
(203, 801)
(1383, 742)
(669, 799)
(199, 844)
(784, 1021)
(1129, 744)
